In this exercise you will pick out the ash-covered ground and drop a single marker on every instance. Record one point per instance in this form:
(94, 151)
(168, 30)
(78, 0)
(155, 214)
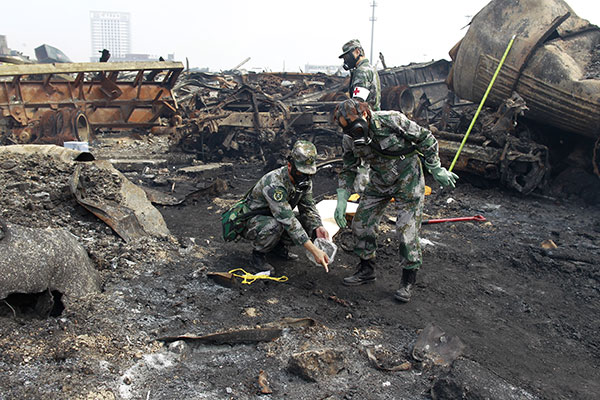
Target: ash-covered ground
(528, 316)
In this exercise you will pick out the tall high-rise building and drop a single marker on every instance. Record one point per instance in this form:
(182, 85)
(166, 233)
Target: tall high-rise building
(111, 31)
(3, 46)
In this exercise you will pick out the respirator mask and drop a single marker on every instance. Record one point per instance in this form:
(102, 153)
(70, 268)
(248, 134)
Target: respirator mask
(359, 131)
(349, 60)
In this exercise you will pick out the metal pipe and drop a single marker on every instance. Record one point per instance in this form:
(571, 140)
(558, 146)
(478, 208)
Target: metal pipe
(489, 88)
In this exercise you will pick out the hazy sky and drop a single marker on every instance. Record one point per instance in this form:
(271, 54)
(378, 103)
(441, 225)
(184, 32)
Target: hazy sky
(277, 34)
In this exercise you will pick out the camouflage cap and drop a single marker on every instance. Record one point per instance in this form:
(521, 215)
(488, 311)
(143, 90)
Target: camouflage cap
(351, 45)
(304, 155)
(348, 108)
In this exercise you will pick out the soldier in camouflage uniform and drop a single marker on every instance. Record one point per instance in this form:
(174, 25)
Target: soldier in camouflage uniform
(271, 224)
(364, 84)
(364, 79)
(393, 146)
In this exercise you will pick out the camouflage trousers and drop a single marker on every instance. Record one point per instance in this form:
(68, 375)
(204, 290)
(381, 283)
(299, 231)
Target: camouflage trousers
(362, 178)
(408, 191)
(265, 232)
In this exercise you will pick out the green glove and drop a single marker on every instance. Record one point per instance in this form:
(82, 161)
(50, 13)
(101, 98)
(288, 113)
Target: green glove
(444, 177)
(340, 208)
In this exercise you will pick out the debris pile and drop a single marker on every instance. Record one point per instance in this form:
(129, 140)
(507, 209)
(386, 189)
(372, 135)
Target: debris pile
(37, 194)
(152, 312)
(252, 115)
(227, 118)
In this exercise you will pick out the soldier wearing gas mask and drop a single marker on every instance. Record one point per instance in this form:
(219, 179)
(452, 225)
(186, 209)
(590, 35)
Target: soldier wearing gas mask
(364, 80)
(393, 146)
(271, 224)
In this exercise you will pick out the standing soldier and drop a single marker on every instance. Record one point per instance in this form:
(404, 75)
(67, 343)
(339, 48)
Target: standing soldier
(392, 145)
(364, 80)
(271, 225)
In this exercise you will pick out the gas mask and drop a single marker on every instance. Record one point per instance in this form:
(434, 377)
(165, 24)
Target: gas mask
(349, 61)
(301, 181)
(359, 131)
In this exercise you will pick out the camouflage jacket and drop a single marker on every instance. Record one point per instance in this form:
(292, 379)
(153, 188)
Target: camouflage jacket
(391, 131)
(274, 192)
(365, 75)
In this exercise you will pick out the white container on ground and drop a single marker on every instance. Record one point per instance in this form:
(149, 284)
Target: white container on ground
(79, 146)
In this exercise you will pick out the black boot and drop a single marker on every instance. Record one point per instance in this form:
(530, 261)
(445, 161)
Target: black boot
(409, 277)
(364, 274)
(282, 251)
(259, 263)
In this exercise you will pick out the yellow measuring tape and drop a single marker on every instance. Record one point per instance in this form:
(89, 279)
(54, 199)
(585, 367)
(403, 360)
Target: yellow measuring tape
(249, 278)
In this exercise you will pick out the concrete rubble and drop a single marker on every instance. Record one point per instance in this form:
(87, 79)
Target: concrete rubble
(314, 365)
(45, 260)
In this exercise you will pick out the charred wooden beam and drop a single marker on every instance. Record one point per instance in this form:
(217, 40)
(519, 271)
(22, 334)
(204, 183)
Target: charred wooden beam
(479, 160)
(521, 165)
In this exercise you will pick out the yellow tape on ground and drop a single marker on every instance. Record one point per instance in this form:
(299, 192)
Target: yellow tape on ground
(249, 278)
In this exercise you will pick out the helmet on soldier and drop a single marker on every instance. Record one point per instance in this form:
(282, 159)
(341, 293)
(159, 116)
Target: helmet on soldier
(304, 156)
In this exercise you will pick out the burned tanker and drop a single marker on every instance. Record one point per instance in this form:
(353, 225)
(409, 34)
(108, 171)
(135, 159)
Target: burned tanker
(548, 64)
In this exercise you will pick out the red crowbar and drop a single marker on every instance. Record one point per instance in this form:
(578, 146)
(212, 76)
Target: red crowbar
(437, 221)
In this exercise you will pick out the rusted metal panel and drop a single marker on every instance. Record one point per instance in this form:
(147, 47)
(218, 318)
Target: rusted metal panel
(399, 98)
(268, 120)
(427, 79)
(69, 68)
(112, 95)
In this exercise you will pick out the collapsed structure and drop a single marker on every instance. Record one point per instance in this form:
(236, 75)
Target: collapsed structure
(548, 86)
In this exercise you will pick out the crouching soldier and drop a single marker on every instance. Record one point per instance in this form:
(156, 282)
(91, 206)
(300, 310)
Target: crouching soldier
(393, 146)
(270, 223)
